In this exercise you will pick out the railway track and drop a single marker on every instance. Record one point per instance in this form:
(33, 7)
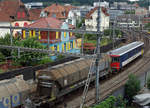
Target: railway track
(107, 87)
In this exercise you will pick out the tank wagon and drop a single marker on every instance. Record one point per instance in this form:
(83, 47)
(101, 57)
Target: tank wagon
(59, 80)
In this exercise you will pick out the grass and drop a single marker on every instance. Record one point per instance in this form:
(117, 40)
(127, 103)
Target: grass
(104, 41)
(1, 71)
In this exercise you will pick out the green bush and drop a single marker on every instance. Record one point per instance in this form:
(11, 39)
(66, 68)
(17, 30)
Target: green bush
(148, 83)
(2, 57)
(132, 87)
(28, 58)
(45, 60)
(6, 41)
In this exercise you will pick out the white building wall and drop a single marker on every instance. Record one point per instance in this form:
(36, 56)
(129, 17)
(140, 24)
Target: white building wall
(3, 32)
(91, 24)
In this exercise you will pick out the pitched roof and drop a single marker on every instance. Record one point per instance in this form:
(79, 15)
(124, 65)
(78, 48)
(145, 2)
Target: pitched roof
(60, 11)
(8, 8)
(34, 14)
(104, 10)
(47, 22)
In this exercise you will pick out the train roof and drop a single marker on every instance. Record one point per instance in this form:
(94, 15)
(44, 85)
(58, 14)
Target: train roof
(124, 49)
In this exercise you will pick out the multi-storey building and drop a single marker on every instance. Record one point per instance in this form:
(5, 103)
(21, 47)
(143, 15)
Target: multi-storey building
(91, 19)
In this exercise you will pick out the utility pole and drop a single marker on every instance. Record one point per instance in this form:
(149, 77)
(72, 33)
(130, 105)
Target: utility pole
(97, 91)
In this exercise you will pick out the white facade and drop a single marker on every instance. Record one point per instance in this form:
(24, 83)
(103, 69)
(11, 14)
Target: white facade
(3, 32)
(72, 18)
(77, 14)
(91, 23)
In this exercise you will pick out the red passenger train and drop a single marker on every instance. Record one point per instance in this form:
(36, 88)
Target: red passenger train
(122, 56)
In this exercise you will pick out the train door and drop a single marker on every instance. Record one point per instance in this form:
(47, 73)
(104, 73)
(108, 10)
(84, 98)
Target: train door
(115, 63)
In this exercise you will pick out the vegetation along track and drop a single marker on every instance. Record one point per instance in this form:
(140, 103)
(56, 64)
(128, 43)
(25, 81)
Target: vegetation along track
(107, 87)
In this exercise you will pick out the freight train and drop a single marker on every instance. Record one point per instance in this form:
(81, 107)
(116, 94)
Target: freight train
(55, 82)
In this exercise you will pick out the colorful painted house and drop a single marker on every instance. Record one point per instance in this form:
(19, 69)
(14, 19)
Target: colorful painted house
(58, 41)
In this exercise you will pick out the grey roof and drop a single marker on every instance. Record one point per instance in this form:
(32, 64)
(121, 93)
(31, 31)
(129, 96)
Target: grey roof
(142, 99)
(124, 49)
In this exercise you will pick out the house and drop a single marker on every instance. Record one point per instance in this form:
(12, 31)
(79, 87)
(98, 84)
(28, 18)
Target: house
(114, 13)
(57, 11)
(77, 14)
(91, 19)
(122, 6)
(14, 13)
(58, 41)
(129, 20)
(140, 11)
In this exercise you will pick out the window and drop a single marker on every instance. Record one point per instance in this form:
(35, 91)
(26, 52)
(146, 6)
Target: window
(115, 59)
(23, 14)
(16, 24)
(18, 15)
(55, 47)
(25, 24)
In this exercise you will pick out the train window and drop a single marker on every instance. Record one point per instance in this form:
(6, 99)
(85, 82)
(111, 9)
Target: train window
(115, 59)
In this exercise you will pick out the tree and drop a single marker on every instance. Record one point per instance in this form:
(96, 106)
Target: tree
(108, 103)
(148, 83)
(2, 57)
(5, 40)
(132, 87)
(80, 22)
(29, 58)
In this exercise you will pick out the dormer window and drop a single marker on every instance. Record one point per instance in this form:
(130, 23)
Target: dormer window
(18, 15)
(23, 14)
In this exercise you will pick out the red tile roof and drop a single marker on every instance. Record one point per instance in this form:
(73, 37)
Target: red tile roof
(47, 22)
(8, 8)
(34, 14)
(60, 11)
(104, 10)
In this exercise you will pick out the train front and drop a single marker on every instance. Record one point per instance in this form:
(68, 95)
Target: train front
(115, 62)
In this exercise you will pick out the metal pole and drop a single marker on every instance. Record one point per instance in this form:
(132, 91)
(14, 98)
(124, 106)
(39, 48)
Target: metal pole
(82, 52)
(98, 57)
(113, 34)
(97, 70)
(11, 38)
(48, 42)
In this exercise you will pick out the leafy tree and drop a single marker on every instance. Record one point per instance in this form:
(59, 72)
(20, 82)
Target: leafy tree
(121, 103)
(2, 57)
(132, 87)
(79, 23)
(28, 58)
(6, 41)
(108, 103)
(148, 83)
